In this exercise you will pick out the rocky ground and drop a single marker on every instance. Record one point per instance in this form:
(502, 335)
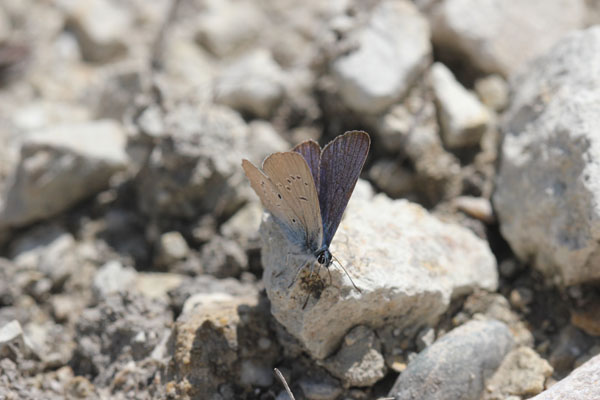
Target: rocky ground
(137, 263)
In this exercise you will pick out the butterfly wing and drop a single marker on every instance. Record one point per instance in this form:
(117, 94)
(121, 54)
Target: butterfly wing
(288, 192)
(311, 151)
(341, 163)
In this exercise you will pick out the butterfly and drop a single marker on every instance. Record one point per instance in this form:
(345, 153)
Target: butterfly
(306, 190)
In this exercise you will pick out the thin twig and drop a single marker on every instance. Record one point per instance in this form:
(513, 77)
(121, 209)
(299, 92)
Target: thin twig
(287, 388)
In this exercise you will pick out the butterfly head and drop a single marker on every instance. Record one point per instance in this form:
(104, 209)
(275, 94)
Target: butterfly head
(324, 256)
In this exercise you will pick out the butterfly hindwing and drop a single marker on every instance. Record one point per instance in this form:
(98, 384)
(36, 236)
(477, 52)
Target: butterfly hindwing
(311, 151)
(340, 166)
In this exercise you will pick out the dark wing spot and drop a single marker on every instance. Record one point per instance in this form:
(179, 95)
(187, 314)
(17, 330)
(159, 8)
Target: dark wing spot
(293, 220)
(289, 189)
(279, 195)
(297, 176)
(303, 198)
(288, 181)
(305, 183)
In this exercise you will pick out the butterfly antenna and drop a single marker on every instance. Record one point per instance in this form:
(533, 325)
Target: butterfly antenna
(347, 274)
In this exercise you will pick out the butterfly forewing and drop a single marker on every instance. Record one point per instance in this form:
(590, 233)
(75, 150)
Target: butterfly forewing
(294, 187)
(269, 195)
(341, 163)
(311, 151)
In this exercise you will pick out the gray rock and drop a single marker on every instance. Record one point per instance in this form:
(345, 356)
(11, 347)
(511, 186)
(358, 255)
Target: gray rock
(120, 334)
(171, 248)
(359, 361)
(319, 387)
(547, 185)
(411, 129)
(101, 28)
(581, 384)
(393, 50)
(568, 346)
(523, 373)
(457, 364)
(471, 28)
(463, 118)
(241, 228)
(395, 180)
(496, 306)
(60, 166)
(417, 277)
(121, 90)
(195, 169)
(113, 278)
(252, 84)
(256, 373)
(223, 258)
(49, 250)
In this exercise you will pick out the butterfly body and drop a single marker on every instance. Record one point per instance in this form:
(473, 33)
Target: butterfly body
(324, 256)
(307, 190)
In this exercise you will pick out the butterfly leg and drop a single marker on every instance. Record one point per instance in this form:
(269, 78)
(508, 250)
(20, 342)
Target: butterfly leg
(304, 264)
(306, 301)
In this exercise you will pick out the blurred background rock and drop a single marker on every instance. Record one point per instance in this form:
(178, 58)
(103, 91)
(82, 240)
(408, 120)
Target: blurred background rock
(130, 250)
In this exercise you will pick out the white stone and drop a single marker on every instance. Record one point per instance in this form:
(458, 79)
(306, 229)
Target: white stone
(263, 140)
(252, 83)
(407, 263)
(547, 194)
(101, 27)
(189, 70)
(171, 247)
(393, 50)
(462, 117)
(113, 277)
(156, 285)
(60, 166)
(11, 335)
(501, 36)
(43, 113)
(493, 91)
(226, 26)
